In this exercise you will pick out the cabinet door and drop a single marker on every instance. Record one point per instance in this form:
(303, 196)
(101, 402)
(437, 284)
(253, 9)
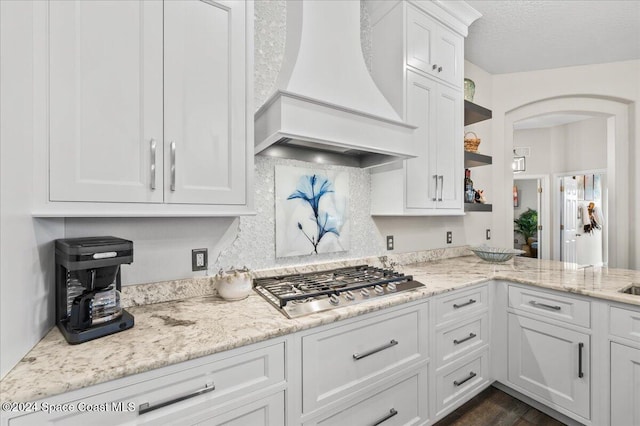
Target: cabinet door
(105, 100)
(421, 171)
(421, 35)
(449, 52)
(625, 385)
(449, 147)
(547, 361)
(204, 102)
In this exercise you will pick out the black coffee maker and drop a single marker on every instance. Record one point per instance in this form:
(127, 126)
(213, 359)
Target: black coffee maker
(88, 287)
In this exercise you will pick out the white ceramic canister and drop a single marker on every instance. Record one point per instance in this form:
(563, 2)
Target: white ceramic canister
(234, 284)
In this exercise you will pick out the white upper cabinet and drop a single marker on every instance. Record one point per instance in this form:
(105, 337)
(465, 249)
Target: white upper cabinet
(434, 183)
(105, 100)
(434, 49)
(424, 84)
(149, 102)
(204, 97)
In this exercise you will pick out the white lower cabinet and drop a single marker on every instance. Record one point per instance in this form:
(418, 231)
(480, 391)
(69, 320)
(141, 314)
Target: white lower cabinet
(401, 404)
(457, 383)
(550, 362)
(339, 361)
(625, 385)
(201, 394)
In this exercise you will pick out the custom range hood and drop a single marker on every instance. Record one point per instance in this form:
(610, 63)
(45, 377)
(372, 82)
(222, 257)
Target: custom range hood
(326, 108)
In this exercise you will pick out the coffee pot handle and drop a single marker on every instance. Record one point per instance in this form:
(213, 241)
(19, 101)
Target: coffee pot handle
(81, 311)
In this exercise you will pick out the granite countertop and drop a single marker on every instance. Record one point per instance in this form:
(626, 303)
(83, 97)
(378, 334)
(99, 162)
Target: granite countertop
(179, 330)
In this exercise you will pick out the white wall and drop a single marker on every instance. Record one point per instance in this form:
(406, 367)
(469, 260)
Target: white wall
(614, 81)
(26, 248)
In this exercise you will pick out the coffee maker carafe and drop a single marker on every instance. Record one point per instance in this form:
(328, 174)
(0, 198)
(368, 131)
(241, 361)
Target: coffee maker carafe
(88, 287)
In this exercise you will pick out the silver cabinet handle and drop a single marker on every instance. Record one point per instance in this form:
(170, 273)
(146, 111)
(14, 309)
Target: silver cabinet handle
(173, 165)
(466, 379)
(457, 342)
(470, 302)
(153, 164)
(435, 177)
(434, 67)
(392, 413)
(580, 372)
(146, 407)
(441, 177)
(439, 69)
(542, 305)
(358, 356)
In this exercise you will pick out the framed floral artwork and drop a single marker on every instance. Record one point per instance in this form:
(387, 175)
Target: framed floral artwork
(311, 211)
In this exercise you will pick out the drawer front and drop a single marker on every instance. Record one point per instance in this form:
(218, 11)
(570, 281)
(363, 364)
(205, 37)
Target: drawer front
(625, 323)
(401, 404)
(342, 360)
(459, 339)
(454, 385)
(452, 306)
(229, 378)
(550, 305)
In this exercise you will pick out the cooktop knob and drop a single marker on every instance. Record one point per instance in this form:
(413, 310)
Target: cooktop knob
(349, 295)
(378, 289)
(391, 287)
(364, 292)
(334, 300)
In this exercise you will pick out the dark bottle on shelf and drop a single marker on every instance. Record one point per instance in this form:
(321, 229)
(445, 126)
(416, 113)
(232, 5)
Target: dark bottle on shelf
(469, 193)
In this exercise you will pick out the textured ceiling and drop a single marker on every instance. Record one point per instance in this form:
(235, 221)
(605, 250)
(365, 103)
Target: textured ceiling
(526, 35)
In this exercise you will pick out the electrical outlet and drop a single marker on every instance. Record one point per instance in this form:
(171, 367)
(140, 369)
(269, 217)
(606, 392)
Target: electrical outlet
(199, 259)
(488, 234)
(389, 242)
(449, 237)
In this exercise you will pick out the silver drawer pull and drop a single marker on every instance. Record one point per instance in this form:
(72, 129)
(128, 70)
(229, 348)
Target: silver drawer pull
(392, 413)
(358, 356)
(471, 336)
(441, 177)
(470, 302)
(435, 198)
(463, 381)
(172, 147)
(153, 164)
(542, 305)
(145, 407)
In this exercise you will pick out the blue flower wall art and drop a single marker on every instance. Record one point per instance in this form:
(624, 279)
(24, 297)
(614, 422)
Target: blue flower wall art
(311, 207)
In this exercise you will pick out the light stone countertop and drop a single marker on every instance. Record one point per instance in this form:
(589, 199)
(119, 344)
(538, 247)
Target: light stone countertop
(175, 331)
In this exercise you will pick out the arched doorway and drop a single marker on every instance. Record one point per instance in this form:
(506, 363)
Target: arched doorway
(616, 112)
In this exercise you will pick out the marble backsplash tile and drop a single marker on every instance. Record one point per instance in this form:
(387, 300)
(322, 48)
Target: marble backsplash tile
(166, 291)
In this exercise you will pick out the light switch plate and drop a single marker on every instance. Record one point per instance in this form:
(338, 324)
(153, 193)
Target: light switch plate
(389, 242)
(449, 237)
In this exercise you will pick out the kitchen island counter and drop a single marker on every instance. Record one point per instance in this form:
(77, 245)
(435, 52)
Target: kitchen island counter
(180, 330)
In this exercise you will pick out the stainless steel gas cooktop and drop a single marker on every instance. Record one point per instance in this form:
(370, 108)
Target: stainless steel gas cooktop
(302, 294)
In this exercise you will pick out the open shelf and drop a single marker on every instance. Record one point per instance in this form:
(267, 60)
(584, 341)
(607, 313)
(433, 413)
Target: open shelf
(477, 207)
(473, 159)
(474, 113)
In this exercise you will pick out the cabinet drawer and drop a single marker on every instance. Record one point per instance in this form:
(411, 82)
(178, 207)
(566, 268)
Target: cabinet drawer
(457, 384)
(625, 323)
(550, 305)
(452, 306)
(231, 378)
(459, 339)
(400, 404)
(342, 360)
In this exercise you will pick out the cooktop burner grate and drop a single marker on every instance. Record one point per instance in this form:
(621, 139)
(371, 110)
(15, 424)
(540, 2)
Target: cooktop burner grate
(327, 289)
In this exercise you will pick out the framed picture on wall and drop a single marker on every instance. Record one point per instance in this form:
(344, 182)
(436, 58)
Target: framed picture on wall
(580, 183)
(597, 188)
(588, 187)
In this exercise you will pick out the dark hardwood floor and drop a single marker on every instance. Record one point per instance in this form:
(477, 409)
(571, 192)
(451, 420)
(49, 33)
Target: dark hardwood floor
(493, 407)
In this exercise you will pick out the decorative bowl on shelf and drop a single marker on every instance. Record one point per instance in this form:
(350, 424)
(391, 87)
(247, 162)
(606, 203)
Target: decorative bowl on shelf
(495, 254)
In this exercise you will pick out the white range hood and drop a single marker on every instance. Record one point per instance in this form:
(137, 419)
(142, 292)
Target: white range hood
(326, 108)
